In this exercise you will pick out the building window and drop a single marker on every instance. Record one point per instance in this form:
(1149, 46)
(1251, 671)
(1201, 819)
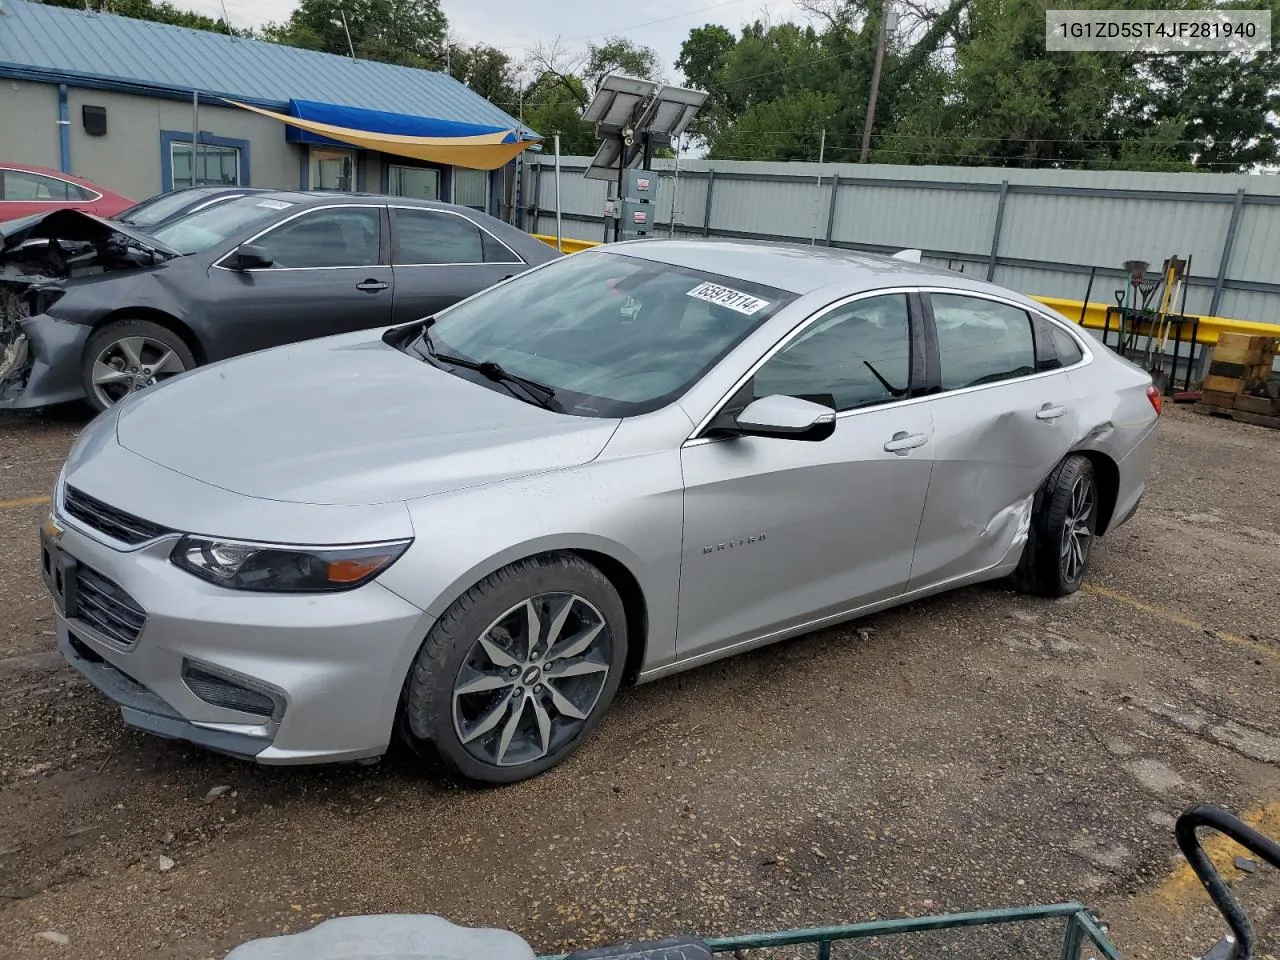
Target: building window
(332, 169)
(214, 165)
(471, 188)
(421, 183)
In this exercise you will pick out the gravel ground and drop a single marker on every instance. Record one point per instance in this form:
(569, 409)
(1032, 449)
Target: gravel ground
(975, 750)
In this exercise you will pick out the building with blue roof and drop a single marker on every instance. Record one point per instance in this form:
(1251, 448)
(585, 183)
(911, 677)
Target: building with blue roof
(142, 107)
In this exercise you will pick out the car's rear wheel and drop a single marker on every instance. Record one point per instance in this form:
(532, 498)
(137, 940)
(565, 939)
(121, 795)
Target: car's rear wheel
(1064, 524)
(126, 356)
(517, 672)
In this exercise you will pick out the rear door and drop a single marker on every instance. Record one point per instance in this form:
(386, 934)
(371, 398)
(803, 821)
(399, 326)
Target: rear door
(1003, 416)
(440, 257)
(329, 275)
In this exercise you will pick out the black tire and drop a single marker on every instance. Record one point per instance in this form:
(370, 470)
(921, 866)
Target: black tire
(1044, 568)
(123, 330)
(429, 714)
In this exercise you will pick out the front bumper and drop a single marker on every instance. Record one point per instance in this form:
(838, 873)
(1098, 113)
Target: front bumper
(335, 663)
(45, 357)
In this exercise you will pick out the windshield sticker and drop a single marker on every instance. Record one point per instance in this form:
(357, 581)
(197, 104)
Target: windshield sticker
(728, 297)
(275, 204)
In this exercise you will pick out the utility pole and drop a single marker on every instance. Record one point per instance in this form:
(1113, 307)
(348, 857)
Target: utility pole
(345, 29)
(875, 81)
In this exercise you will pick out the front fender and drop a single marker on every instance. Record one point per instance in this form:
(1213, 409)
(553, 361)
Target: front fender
(630, 509)
(50, 372)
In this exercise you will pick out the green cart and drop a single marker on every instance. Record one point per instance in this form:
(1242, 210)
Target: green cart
(1064, 931)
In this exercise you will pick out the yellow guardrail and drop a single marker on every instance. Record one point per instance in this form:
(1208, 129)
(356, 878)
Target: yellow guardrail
(1095, 314)
(567, 245)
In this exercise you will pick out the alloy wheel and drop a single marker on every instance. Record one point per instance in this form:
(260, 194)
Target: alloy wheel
(532, 679)
(1077, 530)
(131, 364)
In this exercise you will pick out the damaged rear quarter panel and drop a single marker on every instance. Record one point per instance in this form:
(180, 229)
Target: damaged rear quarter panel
(991, 453)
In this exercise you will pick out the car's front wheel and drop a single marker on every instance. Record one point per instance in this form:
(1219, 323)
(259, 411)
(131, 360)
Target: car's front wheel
(129, 355)
(1064, 524)
(517, 672)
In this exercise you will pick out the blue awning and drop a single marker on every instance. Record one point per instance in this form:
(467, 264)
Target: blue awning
(377, 121)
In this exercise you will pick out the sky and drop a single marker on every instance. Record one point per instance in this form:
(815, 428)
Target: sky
(518, 25)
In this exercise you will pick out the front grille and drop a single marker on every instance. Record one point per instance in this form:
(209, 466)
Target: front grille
(104, 605)
(224, 692)
(116, 524)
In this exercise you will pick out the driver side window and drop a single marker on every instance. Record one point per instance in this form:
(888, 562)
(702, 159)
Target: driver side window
(859, 353)
(336, 237)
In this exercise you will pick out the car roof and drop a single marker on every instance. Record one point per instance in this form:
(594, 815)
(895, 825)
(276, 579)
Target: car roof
(795, 267)
(320, 197)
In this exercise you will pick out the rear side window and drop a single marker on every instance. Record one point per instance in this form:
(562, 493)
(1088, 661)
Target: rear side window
(981, 341)
(20, 185)
(428, 236)
(1068, 350)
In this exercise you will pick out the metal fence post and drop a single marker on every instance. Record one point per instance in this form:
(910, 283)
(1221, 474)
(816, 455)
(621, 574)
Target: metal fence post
(1236, 209)
(995, 234)
(831, 210)
(706, 212)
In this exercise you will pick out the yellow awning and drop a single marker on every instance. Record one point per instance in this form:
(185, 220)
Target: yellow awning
(484, 151)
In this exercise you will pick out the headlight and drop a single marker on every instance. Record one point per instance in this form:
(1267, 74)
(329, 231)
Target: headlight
(284, 569)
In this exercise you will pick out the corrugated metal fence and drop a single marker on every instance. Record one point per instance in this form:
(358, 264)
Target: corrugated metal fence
(1036, 231)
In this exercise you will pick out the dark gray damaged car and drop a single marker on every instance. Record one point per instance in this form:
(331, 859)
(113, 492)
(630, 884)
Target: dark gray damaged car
(93, 309)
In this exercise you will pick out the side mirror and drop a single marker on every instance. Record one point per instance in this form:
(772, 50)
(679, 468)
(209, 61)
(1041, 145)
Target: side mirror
(250, 256)
(787, 418)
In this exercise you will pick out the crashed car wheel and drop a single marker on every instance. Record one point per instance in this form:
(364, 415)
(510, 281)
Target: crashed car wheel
(517, 672)
(1064, 524)
(130, 355)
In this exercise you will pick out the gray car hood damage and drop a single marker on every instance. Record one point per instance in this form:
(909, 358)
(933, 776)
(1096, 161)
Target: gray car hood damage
(347, 420)
(74, 226)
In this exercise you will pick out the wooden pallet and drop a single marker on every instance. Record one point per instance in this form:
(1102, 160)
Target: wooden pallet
(1243, 416)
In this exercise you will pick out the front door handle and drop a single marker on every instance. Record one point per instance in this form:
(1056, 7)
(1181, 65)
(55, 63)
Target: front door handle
(372, 286)
(902, 442)
(1051, 412)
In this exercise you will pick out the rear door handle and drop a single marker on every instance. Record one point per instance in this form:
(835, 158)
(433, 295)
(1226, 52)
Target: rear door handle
(1051, 412)
(903, 442)
(372, 286)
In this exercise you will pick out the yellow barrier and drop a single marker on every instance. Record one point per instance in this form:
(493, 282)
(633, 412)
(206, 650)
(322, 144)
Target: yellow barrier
(567, 245)
(1094, 315)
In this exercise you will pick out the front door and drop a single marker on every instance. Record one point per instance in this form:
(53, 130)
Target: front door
(440, 258)
(328, 276)
(780, 533)
(1001, 423)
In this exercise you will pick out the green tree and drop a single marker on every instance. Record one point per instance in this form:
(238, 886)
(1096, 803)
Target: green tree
(406, 32)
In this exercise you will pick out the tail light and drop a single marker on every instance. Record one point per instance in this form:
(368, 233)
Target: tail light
(1156, 398)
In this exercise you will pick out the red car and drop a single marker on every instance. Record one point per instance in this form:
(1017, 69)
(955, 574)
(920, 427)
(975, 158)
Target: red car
(28, 190)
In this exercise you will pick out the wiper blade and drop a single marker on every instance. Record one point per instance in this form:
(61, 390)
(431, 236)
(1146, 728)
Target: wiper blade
(539, 393)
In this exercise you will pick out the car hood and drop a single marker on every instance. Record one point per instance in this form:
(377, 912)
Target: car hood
(347, 420)
(74, 225)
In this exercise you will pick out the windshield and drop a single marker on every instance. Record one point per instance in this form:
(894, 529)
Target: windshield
(150, 212)
(218, 223)
(158, 208)
(612, 335)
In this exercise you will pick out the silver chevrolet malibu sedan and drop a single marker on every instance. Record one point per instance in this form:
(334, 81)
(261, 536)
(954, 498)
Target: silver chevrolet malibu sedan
(469, 531)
